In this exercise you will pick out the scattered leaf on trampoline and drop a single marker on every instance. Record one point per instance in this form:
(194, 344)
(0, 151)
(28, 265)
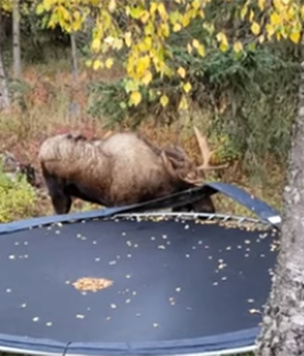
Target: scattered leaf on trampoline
(80, 316)
(97, 259)
(12, 257)
(250, 301)
(49, 323)
(165, 237)
(155, 325)
(161, 247)
(8, 290)
(254, 311)
(23, 305)
(113, 306)
(35, 319)
(94, 242)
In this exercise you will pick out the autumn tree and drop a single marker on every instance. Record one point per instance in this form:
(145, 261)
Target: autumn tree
(145, 43)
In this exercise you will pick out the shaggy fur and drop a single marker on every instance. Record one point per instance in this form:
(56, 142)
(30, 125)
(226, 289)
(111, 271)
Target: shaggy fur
(120, 170)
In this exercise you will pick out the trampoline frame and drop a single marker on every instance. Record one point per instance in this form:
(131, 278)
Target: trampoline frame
(226, 345)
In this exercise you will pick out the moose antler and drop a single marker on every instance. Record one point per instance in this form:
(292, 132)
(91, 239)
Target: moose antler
(205, 152)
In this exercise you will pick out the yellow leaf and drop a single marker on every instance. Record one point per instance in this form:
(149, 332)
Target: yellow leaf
(255, 28)
(187, 87)
(295, 36)
(112, 5)
(147, 78)
(88, 62)
(135, 98)
(244, 11)
(238, 47)
(177, 27)
(183, 104)
(128, 39)
(251, 15)
(164, 29)
(164, 100)
(275, 18)
(97, 64)
(201, 50)
(261, 38)
(224, 46)
(148, 42)
(153, 7)
(145, 17)
(40, 9)
(195, 43)
(181, 71)
(96, 45)
(109, 63)
(162, 12)
(189, 48)
(261, 4)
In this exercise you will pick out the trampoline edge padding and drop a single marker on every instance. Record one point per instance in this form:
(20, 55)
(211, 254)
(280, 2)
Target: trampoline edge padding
(260, 208)
(230, 341)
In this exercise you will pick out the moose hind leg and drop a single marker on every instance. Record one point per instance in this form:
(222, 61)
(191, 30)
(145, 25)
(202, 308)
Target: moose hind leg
(60, 199)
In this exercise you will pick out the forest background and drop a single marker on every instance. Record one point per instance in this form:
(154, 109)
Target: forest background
(211, 68)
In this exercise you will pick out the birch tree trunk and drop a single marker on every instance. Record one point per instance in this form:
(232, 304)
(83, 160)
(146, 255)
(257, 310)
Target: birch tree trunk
(4, 93)
(282, 331)
(16, 40)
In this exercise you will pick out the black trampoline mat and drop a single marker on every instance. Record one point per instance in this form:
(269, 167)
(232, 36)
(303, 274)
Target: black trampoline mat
(172, 279)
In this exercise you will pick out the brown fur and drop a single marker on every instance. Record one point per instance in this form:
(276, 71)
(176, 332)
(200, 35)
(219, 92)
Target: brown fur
(120, 170)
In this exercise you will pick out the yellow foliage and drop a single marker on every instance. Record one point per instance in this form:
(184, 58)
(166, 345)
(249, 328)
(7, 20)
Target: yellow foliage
(164, 100)
(181, 71)
(135, 98)
(187, 87)
(150, 25)
(237, 46)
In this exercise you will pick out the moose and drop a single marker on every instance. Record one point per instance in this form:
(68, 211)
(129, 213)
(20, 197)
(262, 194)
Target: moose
(121, 169)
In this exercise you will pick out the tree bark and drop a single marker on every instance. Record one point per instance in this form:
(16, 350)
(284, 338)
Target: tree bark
(74, 57)
(4, 93)
(16, 40)
(282, 331)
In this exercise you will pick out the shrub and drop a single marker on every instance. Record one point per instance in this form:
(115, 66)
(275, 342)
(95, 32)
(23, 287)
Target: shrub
(17, 197)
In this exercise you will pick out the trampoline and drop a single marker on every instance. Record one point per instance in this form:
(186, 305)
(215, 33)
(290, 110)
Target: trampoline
(169, 283)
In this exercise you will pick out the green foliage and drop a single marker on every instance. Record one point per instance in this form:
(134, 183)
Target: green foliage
(253, 98)
(17, 198)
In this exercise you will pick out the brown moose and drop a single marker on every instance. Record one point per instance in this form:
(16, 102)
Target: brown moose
(119, 170)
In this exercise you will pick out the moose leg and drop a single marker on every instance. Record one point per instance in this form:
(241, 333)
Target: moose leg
(60, 199)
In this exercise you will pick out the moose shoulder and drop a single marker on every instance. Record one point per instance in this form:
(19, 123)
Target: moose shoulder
(120, 170)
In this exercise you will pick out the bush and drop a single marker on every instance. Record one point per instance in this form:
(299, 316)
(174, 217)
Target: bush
(17, 197)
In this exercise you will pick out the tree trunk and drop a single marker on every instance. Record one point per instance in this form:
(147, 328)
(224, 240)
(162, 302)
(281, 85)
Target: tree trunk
(282, 331)
(74, 56)
(4, 93)
(16, 40)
